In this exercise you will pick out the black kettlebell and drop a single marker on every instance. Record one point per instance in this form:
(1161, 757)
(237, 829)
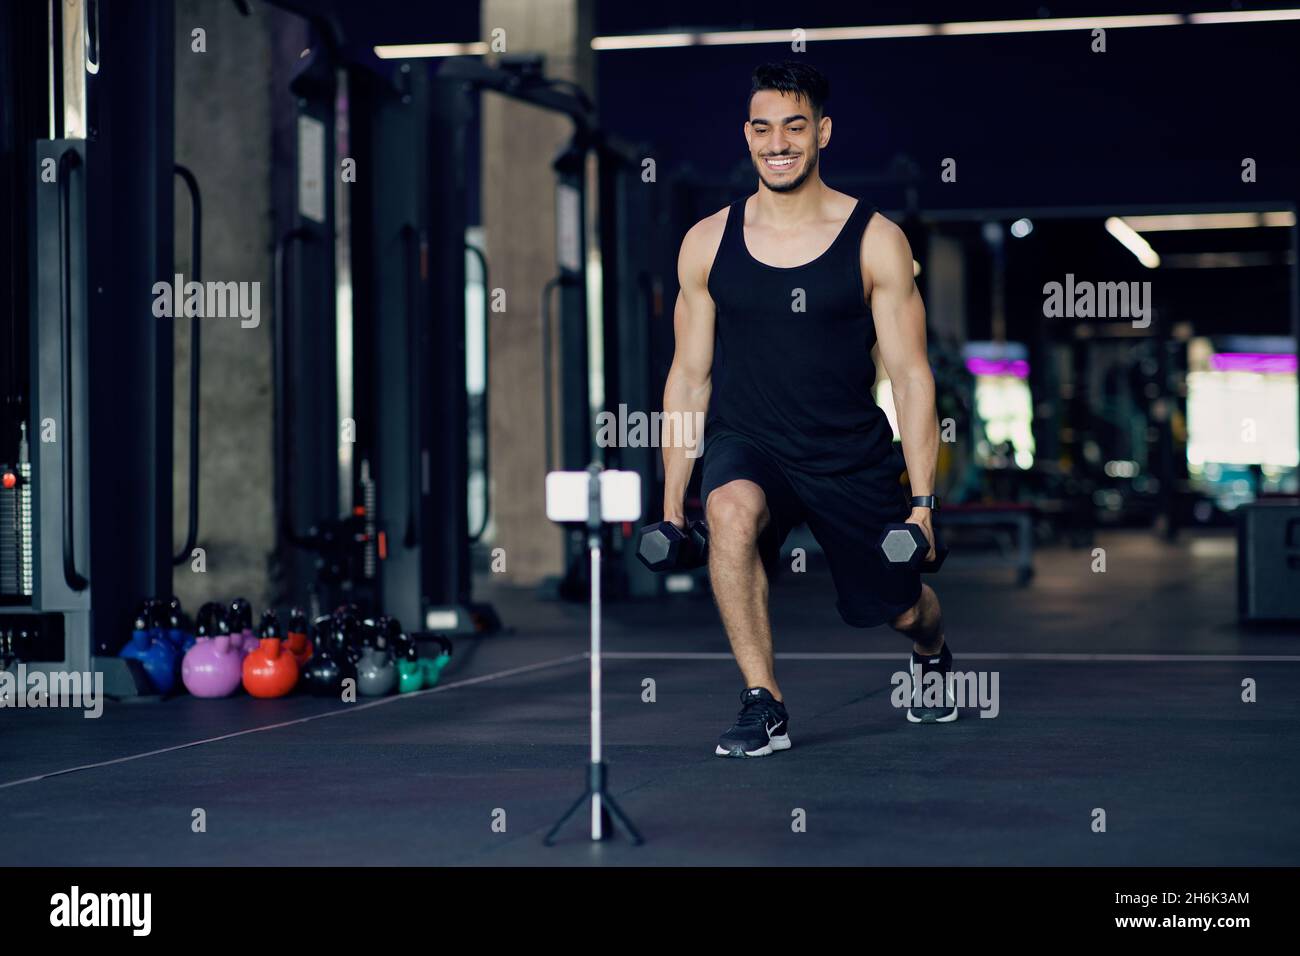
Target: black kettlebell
(329, 665)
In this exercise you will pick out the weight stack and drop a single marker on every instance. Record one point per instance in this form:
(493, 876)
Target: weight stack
(10, 541)
(1268, 561)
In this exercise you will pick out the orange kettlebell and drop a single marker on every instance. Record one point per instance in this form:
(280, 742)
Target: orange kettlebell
(270, 669)
(296, 641)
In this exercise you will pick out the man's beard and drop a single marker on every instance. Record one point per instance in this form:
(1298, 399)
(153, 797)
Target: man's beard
(793, 184)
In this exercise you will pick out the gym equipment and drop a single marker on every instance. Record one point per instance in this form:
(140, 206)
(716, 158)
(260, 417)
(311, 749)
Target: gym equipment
(212, 667)
(92, 552)
(330, 665)
(139, 641)
(376, 674)
(413, 671)
(376, 671)
(270, 670)
(157, 619)
(178, 629)
(148, 645)
(296, 640)
(665, 547)
(905, 544)
(410, 670)
(220, 626)
(241, 626)
(371, 521)
(431, 669)
(160, 662)
(347, 628)
(1268, 561)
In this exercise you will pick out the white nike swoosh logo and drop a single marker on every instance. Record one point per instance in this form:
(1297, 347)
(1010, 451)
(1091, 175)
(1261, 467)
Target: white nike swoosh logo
(773, 727)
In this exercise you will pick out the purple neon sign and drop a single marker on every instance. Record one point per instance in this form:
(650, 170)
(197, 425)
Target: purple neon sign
(1268, 362)
(985, 366)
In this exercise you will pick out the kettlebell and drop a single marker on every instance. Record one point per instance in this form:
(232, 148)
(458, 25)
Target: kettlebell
(347, 631)
(269, 670)
(327, 669)
(161, 658)
(376, 672)
(138, 645)
(296, 641)
(433, 666)
(241, 626)
(212, 667)
(157, 618)
(178, 629)
(149, 646)
(410, 675)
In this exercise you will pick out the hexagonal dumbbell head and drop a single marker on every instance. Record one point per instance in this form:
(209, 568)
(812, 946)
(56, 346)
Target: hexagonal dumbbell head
(903, 544)
(658, 546)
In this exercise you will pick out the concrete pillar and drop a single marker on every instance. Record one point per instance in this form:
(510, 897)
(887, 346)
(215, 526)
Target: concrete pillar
(945, 286)
(518, 216)
(945, 310)
(223, 134)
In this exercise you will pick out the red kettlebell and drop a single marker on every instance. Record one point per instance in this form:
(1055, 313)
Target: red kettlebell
(270, 670)
(296, 642)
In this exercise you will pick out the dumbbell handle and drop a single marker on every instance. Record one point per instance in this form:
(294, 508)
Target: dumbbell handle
(931, 566)
(691, 543)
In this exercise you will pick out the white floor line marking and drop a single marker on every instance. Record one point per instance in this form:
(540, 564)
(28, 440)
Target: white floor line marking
(349, 709)
(963, 656)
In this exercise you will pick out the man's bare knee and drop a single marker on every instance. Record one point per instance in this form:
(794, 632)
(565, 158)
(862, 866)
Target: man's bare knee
(736, 513)
(910, 619)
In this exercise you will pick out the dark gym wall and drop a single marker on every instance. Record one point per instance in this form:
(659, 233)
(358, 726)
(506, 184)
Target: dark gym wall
(223, 134)
(1165, 115)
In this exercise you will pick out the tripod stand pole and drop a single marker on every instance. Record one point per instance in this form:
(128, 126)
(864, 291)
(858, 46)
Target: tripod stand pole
(605, 812)
(597, 795)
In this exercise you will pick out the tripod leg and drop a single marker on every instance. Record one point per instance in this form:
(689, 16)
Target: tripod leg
(621, 819)
(577, 805)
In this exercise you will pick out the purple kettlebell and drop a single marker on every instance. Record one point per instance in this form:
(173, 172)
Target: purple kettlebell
(212, 667)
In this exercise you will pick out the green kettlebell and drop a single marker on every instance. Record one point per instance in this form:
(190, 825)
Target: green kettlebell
(432, 667)
(410, 673)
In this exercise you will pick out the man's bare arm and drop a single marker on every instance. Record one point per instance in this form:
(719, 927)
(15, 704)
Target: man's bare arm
(900, 330)
(690, 378)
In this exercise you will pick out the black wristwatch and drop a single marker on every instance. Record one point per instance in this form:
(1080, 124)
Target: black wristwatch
(925, 501)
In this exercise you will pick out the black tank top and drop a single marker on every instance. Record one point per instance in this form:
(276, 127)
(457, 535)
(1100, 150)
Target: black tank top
(796, 383)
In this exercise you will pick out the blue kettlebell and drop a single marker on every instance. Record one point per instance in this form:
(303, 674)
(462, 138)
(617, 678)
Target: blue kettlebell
(139, 642)
(150, 646)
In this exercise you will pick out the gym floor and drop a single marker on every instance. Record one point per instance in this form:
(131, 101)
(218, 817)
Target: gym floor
(1119, 690)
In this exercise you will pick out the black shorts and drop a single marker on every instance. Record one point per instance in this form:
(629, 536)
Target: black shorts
(845, 512)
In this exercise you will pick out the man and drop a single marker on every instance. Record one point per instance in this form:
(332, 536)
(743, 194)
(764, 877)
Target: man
(783, 294)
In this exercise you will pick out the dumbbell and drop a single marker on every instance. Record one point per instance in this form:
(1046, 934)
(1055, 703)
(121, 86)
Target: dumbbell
(666, 547)
(905, 545)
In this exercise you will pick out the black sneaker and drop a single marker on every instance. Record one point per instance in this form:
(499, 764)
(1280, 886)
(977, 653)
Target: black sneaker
(922, 666)
(762, 727)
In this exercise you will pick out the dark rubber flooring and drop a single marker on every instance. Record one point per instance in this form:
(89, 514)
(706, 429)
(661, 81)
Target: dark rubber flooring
(1113, 695)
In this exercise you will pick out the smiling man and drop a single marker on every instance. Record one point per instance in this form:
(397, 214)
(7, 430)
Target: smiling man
(783, 295)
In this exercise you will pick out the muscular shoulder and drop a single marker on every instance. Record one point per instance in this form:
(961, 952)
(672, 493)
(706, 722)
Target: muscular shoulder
(700, 246)
(886, 254)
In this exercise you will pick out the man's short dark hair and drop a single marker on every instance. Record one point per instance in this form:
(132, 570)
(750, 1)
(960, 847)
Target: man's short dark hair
(791, 76)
